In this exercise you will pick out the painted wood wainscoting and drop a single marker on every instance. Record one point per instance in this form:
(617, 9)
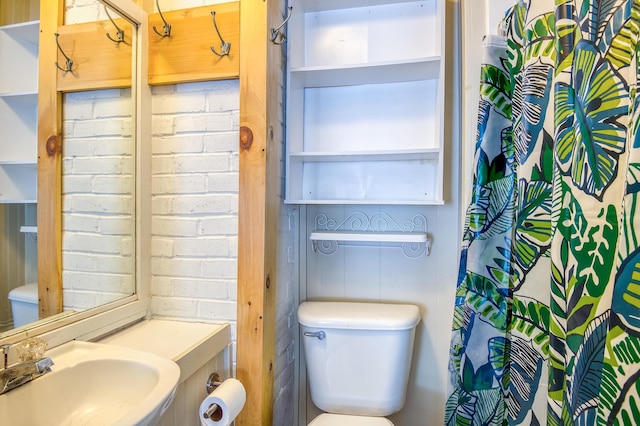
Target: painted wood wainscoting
(199, 349)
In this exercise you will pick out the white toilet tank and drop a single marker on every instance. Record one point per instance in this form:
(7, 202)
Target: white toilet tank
(24, 304)
(358, 355)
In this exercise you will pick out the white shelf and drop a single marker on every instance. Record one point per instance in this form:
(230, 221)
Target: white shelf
(368, 73)
(27, 31)
(29, 229)
(377, 228)
(17, 201)
(30, 96)
(19, 112)
(323, 5)
(365, 181)
(367, 202)
(370, 236)
(401, 155)
(18, 163)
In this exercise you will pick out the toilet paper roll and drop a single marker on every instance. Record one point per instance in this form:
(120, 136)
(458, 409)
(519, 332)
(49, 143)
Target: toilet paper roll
(229, 397)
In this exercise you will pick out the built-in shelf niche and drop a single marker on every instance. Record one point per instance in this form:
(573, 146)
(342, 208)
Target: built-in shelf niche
(364, 108)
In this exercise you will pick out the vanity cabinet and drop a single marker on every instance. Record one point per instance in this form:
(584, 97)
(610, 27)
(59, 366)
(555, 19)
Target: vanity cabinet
(365, 83)
(18, 112)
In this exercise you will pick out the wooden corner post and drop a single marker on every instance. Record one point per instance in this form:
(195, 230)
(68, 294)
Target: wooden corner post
(259, 204)
(49, 164)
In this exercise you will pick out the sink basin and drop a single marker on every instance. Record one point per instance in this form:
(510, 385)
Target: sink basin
(94, 384)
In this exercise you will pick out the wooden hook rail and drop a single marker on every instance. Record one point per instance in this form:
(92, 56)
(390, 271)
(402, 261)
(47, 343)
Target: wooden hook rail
(186, 56)
(98, 62)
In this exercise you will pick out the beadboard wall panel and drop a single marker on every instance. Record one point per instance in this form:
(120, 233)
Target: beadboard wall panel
(184, 410)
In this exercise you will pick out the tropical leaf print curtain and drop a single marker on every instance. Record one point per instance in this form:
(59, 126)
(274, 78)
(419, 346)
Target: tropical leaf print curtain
(546, 323)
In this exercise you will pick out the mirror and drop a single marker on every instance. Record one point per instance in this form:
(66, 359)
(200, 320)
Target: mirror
(98, 165)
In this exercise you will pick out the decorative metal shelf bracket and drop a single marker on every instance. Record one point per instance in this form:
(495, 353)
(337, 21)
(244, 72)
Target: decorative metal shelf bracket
(380, 228)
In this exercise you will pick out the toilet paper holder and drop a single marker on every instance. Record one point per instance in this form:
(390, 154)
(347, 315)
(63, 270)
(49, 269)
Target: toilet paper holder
(214, 412)
(213, 382)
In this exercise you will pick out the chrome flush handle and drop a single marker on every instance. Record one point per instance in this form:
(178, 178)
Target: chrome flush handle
(319, 334)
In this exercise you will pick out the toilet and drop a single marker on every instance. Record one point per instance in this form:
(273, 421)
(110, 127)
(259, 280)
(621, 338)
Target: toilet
(358, 357)
(24, 304)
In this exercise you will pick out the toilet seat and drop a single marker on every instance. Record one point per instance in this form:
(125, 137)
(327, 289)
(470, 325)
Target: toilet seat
(327, 419)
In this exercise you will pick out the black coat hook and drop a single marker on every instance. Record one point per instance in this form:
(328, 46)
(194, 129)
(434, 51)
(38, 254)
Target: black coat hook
(224, 46)
(69, 62)
(277, 36)
(166, 27)
(119, 32)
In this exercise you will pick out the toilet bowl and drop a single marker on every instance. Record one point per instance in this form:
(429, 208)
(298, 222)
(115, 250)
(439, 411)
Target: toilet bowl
(24, 304)
(327, 419)
(358, 357)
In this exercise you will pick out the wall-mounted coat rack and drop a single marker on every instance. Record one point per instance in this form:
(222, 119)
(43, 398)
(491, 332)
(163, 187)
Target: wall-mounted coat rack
(360, 228)
(99, 59)
(202, 44)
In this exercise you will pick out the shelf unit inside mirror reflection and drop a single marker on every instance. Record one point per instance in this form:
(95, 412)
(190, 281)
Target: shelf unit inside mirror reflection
(18, 111)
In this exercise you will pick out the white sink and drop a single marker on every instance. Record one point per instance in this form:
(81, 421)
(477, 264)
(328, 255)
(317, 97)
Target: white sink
(94, 384)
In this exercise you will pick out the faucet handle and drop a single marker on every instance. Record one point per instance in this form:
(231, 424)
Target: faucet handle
(31, 349)
(44, 365)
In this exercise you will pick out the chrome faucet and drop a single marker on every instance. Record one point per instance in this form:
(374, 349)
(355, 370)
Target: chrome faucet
(19, 374)
(33, 364)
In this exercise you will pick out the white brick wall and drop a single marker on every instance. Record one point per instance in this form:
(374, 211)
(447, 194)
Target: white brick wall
(194, 189)
(97, 185)
(287, 295)
(80, 11)
(285, 384)
(97, 198)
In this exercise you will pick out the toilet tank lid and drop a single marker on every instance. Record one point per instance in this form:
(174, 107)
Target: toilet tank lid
(358, 316)
(26, 293)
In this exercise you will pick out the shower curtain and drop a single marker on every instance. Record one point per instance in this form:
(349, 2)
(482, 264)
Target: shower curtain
(546, 320)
